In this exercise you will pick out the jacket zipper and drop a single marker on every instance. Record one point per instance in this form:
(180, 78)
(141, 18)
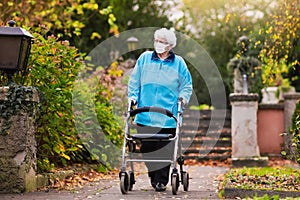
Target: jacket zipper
(156, 90)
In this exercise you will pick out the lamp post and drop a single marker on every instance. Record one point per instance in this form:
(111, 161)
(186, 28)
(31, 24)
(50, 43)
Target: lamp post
(131, 44)
(14, 49)
(18, 103)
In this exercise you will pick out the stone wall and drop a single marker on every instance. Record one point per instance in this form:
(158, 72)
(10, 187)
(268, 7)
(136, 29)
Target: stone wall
(18, 152)
(270, 128)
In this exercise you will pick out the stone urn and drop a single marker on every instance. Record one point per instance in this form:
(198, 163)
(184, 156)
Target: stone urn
(269, 95)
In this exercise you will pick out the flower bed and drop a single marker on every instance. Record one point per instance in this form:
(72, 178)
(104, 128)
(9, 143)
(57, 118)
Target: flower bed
(272, 181)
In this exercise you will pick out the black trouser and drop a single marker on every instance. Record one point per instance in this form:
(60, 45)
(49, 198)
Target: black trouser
(159, 150)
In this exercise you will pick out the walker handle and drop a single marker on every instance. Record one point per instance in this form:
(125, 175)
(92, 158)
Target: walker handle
(151, 109)
(180, 103)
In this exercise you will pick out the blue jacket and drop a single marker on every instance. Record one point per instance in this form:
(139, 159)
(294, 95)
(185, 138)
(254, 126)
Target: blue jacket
(156, 82)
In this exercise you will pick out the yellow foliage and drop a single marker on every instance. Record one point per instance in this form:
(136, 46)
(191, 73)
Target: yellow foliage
(95, 35)
(66, 156)
(281, 31)
(56, 15)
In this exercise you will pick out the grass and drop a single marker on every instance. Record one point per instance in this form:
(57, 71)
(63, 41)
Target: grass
(263, 178)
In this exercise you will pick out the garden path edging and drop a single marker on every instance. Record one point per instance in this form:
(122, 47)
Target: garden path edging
(243, 193)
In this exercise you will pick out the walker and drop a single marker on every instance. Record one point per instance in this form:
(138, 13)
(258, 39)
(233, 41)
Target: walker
(127, 180)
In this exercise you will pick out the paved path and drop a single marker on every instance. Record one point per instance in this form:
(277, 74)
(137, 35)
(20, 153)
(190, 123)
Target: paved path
(202, 185)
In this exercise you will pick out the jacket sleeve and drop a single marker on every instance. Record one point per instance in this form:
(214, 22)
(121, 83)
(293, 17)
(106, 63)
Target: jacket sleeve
(185, 82)
(134, 83)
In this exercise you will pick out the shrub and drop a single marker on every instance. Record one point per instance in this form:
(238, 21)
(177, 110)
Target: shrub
(295, 131)
(53, 67)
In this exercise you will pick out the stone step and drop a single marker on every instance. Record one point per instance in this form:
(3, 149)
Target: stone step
(225, 132)
(206, 138)
(193, 124)
(207, 114)
(197, 157)
(207, 142)
(218, 150)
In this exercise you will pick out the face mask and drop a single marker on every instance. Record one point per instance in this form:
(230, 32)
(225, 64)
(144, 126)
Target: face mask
(160, 47)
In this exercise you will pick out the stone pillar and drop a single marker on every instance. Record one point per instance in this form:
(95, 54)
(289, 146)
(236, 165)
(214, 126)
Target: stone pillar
(245, 150)
(18, 146)
(290, 101)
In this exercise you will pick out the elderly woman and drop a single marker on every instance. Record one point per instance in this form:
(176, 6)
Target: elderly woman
(159, 78)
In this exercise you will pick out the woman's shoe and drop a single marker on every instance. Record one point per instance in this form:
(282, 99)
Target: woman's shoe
(160, 187)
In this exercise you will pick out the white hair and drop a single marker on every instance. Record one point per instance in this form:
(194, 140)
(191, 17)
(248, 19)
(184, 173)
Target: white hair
(166, 34)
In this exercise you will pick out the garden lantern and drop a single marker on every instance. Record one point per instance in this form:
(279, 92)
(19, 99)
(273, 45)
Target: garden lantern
(131, 43)
(15, 44)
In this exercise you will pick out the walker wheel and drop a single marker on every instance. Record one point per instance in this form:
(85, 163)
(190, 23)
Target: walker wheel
(124, 183)
(131, 180)
(175, 183)
(185, 181)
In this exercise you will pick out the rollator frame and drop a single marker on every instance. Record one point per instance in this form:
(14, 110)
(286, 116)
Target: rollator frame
(127, 180)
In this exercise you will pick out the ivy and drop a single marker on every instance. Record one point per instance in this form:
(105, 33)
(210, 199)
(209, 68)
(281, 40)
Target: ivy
(15, 99)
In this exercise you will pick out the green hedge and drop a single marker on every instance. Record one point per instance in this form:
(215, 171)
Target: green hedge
(52, 68)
